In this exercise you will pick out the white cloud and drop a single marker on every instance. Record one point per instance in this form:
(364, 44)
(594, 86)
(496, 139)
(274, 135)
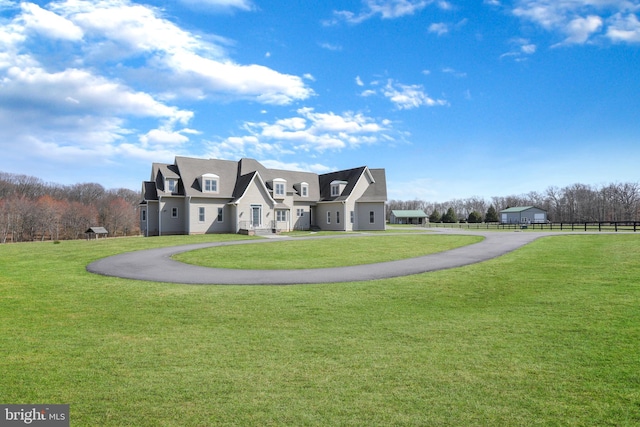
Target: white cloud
(331, 46)
(453, 72)
(82, 101)
(220, 5)
(580, 21)
(580, 29)
(359, 81)
(48, 24)
(368, 92)
(439, 28)
(308, 131)
(296, 166)
(522, 48)
(385, 9)
(194, 64)
(624, 28)
(166, 136)
(35, 89)
(406, 97)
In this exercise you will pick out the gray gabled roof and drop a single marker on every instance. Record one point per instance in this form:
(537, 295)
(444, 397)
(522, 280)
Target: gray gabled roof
(242, 184)
(351, 176)
(97, 230)
(192, 169)
(293, 178)
(376, 192)
(234, 177)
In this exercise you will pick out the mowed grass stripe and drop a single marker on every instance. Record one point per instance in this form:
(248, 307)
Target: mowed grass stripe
(324, 253)
(545, 335)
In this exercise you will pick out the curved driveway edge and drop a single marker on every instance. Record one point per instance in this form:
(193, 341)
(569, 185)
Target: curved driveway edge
(156, 264)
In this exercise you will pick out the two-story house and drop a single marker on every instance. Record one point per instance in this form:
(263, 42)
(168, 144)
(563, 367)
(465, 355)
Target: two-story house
(197, 196)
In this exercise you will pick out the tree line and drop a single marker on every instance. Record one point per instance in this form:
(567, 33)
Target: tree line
(31, 209)
(572, 204)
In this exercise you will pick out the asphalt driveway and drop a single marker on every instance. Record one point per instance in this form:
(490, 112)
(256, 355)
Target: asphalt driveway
(156, 264)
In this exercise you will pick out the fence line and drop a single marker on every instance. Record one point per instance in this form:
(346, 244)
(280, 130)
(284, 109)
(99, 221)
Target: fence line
(616, 226)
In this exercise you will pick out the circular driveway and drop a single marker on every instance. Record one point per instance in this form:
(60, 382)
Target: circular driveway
(156, 265)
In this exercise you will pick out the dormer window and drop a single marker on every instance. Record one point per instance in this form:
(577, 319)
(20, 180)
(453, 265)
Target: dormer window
(172, 185)
(304, 189)
(337, 187)
(279, 187)
(210, 183)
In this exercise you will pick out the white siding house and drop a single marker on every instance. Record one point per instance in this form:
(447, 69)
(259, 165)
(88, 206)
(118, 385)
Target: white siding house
(197, 196)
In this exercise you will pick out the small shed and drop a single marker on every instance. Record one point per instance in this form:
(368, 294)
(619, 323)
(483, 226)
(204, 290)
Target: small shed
(523, 215)
(96, 231)
(417, 217)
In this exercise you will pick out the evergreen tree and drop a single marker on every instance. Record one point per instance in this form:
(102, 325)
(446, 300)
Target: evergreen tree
(492, 215)
(435, 216)
(450, 216)
(475, 217)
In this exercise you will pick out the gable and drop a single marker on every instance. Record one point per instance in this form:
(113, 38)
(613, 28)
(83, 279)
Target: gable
(252, 189)
(350, 176)
(192, 170)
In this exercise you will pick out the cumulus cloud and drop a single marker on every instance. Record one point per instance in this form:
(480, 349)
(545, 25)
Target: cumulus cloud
(407, 97)
(86, 99)
(48, 24)
(581, 21)
(308, 131)
(624, 28)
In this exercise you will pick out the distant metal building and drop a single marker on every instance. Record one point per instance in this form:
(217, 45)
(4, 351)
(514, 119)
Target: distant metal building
(523, 215)
(408, 217)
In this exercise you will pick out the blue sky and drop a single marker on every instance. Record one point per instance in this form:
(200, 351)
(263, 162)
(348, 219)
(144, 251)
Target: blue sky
(453, 98)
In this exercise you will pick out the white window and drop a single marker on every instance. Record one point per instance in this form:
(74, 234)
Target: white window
(372, 217)
(143, 214)
(281, 215)
(335, 190)
(304, 189)
(279, 187)
(299, 212)
(353, 216)
(337, 217)
(201, 214)
(174, 212)
(220, 215)
(210, 183)
(328, 217)
(172, 185)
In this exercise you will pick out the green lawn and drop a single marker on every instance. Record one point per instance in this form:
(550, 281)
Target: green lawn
(323, 253)
(545, 335)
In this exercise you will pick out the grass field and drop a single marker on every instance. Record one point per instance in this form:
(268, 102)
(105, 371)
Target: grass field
(324, 253)
(546, 335)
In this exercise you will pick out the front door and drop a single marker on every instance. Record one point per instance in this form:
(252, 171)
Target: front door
(256, 216)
